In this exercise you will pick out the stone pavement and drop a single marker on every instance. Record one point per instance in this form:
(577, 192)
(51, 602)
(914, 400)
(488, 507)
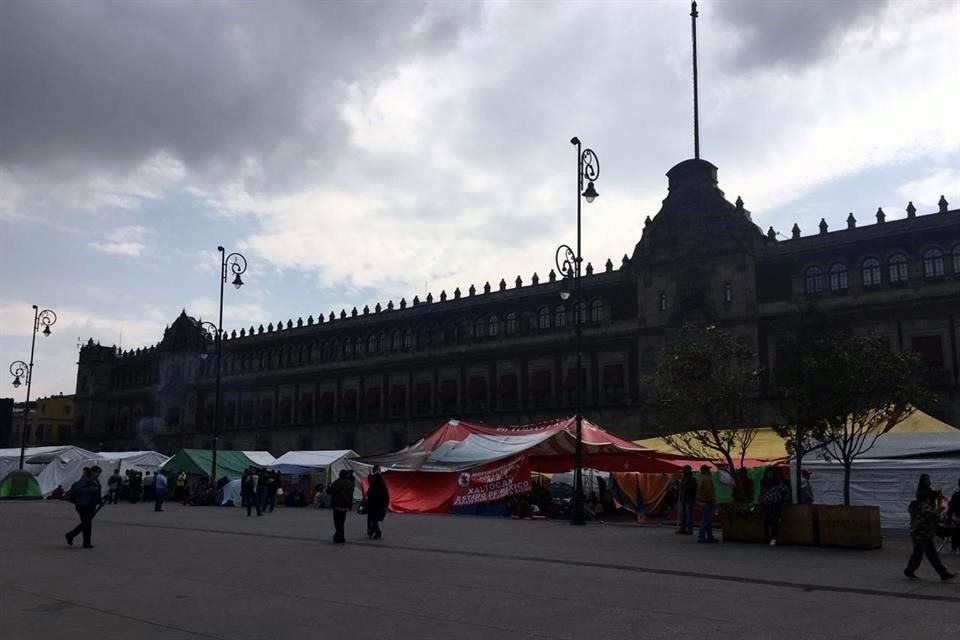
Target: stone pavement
(194, 572)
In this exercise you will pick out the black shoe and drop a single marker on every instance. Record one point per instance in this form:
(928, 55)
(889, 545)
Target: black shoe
(88, 546)
(69, 539)
(377, 536)
(910, 574)
(948, 576)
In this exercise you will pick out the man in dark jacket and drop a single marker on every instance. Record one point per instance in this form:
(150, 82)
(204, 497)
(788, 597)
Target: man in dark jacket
(248, 488)
(341, 497)
(686, 498)
(923, 530)
(270, 492)
(378, 500)
(953, 517)
(85, 495)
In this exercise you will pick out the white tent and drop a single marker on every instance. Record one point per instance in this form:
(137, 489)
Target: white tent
(37, 458)
(260, 458)
(141, 460)
(325, 464)
(888, 476)
(231, 493)
(65, 470)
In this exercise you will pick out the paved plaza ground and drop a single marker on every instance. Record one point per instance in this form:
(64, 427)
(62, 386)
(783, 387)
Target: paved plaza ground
(193, 572)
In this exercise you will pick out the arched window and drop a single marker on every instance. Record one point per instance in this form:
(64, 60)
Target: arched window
(543, 316)
(510, 324)
(870, 272)
(933, 263)
(838, 278)
(559, 317)
(493, 326)
(479, 328)
(813, 280)
(357, 347)
(956, 260)
(371, 344)
(408, 339)
(395, 340)
(381, 342)
(899, 269)
(581, 311)
(596, 311)
(423, 338)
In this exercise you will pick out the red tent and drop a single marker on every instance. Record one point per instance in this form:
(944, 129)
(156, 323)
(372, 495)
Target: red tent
(464, 463)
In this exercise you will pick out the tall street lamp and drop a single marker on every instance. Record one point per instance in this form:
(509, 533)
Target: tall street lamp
(23, 372)
(236, 265)
(568, 264)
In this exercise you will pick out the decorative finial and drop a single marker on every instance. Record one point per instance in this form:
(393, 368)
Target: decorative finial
(443, 296)
(486, 287)
(354, 313)
(535, 279)
(851, 221)
(366, 309)
(647, 221)
(589, 268)
(518, 282)
(796, 231)
(739, 203)
(553, 276)
(403, 303)
(771, 233)
(472, 290)
(300, 321)
(881, 216)
(823, 225)
(608, 266)
(456, 293)
(416, 300)
(429, 298)
(343, 314)
(943, 204)
(911, 210)
(390, 305)
(503, 284)
(377, 308)
(625, 262)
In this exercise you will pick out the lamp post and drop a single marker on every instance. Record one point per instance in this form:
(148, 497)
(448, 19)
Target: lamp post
(234, 264)
(21, 370)
(569, 266)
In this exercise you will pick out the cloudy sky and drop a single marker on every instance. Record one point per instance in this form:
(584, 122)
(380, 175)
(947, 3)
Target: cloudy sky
(358, 152)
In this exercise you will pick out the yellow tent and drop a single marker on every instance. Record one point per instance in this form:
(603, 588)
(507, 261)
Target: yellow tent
(769, 446)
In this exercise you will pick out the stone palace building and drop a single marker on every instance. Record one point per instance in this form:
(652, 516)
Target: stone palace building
(378, 378)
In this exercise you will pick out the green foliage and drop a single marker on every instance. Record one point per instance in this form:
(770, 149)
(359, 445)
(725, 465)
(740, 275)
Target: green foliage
(705, 381)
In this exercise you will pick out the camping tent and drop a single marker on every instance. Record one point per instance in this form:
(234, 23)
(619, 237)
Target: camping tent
(887, 476)
(65, 471)
(229, 463)
(36, 458)
(231, 494)
(321, 466)
(20, 485)
(463, 463)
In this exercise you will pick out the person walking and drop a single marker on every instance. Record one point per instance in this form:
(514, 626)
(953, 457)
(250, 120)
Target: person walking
(706, 498)
(806, 488)
(923, 530)
(113, 487)
(261, 491)
(378, 501)
(341, 498)
(270, 491)
(85, 496)
(773, 495)
(159, 491)
(248, 489)
(136, 486)
(686, 499)
(953, 519)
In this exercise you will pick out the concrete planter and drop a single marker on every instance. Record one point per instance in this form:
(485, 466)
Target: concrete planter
(741, 522)
(849, 527)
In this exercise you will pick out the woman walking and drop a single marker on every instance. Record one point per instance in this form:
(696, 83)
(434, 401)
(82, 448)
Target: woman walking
(378, 500)
(773, 494)
(341, 497)
(923, 530)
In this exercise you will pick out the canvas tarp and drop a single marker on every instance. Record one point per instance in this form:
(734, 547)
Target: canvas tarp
(64, 472)
(231, 494)
(309, 462)
(36, 458)
(549, 446)
(198, 461)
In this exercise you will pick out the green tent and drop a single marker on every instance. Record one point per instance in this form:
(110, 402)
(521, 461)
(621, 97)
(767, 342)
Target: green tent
(198, 462)
(20, 485)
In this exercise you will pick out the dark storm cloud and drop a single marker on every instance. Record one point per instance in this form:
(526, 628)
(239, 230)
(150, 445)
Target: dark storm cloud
(110, 83)
(793, 33)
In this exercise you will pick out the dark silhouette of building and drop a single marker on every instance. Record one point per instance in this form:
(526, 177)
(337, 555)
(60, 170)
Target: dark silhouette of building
(375, 379)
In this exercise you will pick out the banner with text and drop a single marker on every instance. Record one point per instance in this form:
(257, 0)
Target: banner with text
(493, 482)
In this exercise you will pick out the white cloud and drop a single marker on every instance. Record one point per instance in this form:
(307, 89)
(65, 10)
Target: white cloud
(123, 241)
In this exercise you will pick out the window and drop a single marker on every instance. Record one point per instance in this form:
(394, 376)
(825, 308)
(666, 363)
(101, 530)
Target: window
(286, 410)
(381, 342)
(838, 278)
(422, 397)
(663, 302)
(511, 324)
(560, 317)
(540, 389)
(306, 408)
(613, 387)
(956, 260)
(357, 348)
(395, 340)
(398, 399)
(479, 328)
(408, 339)
(493, 326)
(266, 411)
(508, 391)
(581, 311)
(543, 316)
(448, 396)
(477, 393)
(871, 272)
(596, 311)
(899, 270)
(933, 263)
(727, 293)
(371, 345)
(813, 280)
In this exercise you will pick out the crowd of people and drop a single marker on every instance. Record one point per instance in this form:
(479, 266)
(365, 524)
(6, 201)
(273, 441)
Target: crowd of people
(258, 490)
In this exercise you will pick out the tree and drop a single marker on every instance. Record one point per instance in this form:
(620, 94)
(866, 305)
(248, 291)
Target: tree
(868, 388)
(803, 346)
(706, 380)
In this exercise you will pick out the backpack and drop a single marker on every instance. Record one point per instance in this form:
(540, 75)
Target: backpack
(71, 494)
(912, 508)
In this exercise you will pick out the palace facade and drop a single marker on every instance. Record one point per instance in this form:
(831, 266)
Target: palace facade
(375, 379)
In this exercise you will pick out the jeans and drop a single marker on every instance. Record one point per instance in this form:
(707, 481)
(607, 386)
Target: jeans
(925, 547)
(159, 497)
(771, 521)
(686, 517)
(251, 502)
(85, 527)
(339, 519)
(706, 523)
